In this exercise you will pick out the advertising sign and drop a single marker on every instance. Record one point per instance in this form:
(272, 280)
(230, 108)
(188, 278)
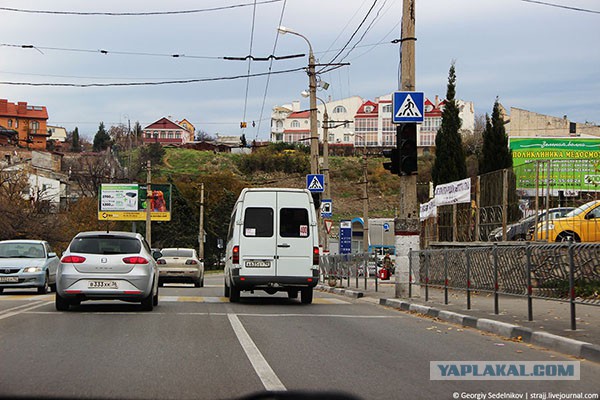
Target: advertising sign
(573, 164)
(453, 192)
(127, 202)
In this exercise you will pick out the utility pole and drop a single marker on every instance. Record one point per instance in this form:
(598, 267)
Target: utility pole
(407, 223)
(314, 135)
(365, 199)
(201, 229)
(325, 170)
(148, 203)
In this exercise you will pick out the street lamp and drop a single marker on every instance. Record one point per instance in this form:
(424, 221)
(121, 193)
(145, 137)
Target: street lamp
(312, 86)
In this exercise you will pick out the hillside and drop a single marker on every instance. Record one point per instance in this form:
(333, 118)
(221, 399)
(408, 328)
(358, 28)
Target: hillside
(345, 174)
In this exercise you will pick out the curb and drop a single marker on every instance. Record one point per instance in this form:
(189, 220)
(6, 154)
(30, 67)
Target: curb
(588, 351)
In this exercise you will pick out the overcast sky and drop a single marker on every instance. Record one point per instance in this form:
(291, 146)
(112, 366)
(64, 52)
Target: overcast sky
(532, 56)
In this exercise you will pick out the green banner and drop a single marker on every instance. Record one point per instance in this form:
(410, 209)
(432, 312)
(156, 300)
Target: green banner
(566, 164)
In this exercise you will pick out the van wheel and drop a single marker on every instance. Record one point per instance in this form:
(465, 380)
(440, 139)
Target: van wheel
(226, 291)
(306, 295)
(234, 294)
(292, 294)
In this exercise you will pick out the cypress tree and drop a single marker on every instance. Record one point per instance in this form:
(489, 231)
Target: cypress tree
(102, 139)
(495, 153)
(75, 144)
(450, 162)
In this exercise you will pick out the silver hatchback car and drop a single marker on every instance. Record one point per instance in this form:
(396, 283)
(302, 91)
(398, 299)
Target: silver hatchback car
(107, 265)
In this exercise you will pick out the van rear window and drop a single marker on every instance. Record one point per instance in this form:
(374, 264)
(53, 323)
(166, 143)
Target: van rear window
(293, 222)
(258, 222)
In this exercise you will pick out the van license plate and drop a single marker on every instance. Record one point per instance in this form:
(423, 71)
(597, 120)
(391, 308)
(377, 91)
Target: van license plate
(258, 264)
(102, 285)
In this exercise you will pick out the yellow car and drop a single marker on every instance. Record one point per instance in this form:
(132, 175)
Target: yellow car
(580, 225)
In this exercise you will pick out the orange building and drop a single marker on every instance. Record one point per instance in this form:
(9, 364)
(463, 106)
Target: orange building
(28, 121)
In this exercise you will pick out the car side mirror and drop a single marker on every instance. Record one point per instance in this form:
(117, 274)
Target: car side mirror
(156, 255)
(52, 255)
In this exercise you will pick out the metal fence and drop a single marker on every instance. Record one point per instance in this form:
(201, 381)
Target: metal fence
(562, 272)
(351, 270)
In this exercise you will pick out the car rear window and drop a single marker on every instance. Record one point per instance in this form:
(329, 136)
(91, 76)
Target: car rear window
(293, 222)
(186, 253)
(105, 245)
(258, 222)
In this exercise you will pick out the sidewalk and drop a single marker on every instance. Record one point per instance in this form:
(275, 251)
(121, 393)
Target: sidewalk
(550, 327)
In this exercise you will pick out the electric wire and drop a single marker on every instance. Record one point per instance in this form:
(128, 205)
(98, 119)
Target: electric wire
(137, 14)
(561, 6)
(166, 82)
(249, 63)
(262, 108)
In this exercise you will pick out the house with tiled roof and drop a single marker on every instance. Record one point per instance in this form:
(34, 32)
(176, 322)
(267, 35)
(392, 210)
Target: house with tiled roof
(28, 121)
(366, 124)
(166, 132)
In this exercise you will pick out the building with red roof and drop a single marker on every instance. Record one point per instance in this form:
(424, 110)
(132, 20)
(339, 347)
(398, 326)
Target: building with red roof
(166, 132)
(28, 121)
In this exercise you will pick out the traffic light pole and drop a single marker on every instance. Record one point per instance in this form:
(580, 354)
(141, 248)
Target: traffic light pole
(407, 223)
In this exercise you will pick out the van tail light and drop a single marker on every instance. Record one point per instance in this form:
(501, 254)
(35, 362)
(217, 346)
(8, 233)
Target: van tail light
(315, 256)
(72, 260)
(135, 260)
(235, 257)
(191, 262)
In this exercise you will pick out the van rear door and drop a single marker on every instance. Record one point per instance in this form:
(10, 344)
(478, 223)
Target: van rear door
(294, 234)
(257, 236)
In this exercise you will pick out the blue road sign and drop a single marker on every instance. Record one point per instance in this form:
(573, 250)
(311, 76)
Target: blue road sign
(315, 182)
(386, 226)
(345, 237)
(326, 208)
(408, 107)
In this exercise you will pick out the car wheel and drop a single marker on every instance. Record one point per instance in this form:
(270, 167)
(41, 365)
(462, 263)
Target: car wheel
(43, 289)
(567, 237)
(292, 294)
(160, 284)
(155, 299)
(202, 282)
(226, 291)
(148, 303)
(53, 287)
(61, 303)
(306, 295)
(234, 294)
(1, 290)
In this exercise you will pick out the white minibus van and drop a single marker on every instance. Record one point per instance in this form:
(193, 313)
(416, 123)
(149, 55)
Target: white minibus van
(273, 244)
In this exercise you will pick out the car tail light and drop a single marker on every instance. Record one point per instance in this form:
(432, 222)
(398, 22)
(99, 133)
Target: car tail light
(135, 260)
(191, 262)
(161, 262)
(72, 259)
(315, 256)
(235, 257)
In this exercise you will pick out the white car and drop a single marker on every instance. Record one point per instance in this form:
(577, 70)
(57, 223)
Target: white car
(27, 264)
(180, 265)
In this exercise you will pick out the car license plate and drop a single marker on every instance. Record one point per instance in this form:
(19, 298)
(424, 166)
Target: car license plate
(258, 264)
(102, 285)
(11, 279)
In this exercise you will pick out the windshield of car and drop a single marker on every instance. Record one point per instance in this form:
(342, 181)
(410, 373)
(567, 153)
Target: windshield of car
(184, 253)
(105, 245)
(21, 250)
(580, 209)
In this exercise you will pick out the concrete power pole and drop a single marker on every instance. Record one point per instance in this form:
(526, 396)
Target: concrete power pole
(407, 223)
(148, 203)
(201, 229)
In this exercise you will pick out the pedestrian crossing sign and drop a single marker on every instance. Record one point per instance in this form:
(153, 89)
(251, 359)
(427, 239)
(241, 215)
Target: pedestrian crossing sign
(408, 107)
(315, 182)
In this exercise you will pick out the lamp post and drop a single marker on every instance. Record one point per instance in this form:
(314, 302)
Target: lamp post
(312, 86)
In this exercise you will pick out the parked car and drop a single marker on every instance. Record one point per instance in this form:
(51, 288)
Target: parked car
(580, 225)
(107, 265)
(180, 265)
(27, 264)
(518, 230)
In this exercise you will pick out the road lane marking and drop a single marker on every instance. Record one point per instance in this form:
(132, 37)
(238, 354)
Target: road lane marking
(264, 371)
(22, 309)
(218, 299)
(27, 297)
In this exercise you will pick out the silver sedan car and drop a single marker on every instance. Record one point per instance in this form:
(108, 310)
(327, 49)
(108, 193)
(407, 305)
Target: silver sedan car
(107, 265)
(27, 264)
(180, 265)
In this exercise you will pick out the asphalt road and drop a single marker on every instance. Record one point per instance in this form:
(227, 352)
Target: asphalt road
(196, 345)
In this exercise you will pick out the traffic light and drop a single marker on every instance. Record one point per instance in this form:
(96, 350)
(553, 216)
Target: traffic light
(394, 165)
(406, 141)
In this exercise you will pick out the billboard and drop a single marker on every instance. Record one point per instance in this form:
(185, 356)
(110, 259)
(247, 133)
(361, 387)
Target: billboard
(570, 165)
(128, 201)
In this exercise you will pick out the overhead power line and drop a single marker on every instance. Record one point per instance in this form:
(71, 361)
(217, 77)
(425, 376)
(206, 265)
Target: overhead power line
(129, 14)
(170, 82)
(561, 6)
